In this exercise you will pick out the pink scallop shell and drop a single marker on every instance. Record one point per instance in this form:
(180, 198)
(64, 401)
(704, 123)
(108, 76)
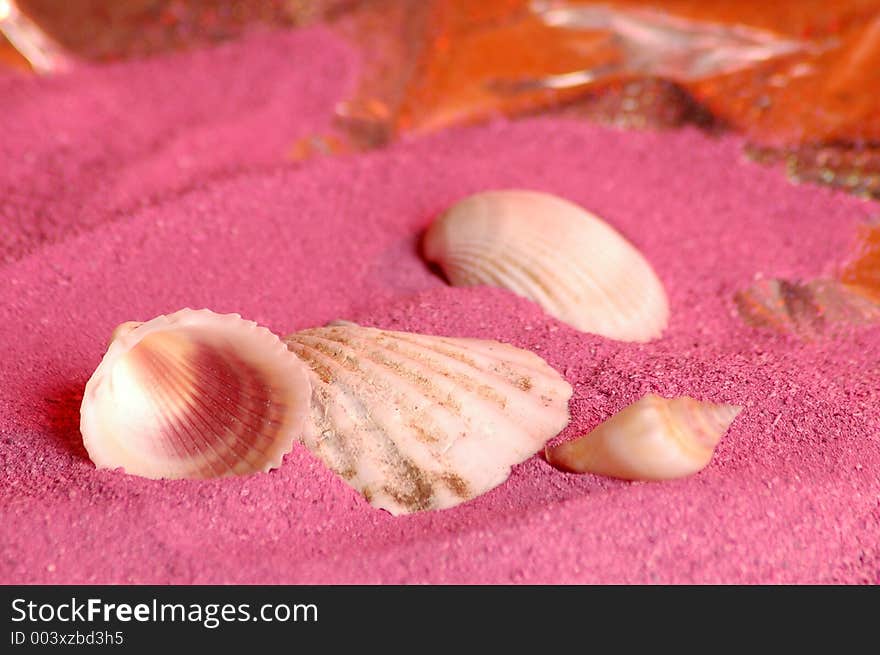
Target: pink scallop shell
(194, 394)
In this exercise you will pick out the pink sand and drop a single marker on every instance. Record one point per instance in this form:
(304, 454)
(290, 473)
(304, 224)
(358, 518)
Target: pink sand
(110, 216)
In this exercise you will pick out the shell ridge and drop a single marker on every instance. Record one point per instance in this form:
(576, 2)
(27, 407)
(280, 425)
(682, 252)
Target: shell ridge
(460, 367)
(552, 307)
(575, 265)
(485, 349)
(543, 252)
(506, 273)
(480, 271)
(167, 414)
(342, 451)
(170, 418)
(425, 461)
(203, 380)
(369, 378)
(158, 408)
(517, 279)
(515, 256)
(457, 372)
(511, 416)
(417, 380)
(220, 421)
(322, 415)
(185, 417)
(555, 289)
(173, 446)
(513, 380)
(427, 474)
(254, 424)
(591, 286)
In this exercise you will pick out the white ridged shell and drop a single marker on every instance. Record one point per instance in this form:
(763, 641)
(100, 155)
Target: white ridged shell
(655, 438)
(194, 394)
(417, 422)
(573, 264)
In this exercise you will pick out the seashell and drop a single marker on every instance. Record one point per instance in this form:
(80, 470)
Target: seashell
(806, 309)
(655, 438)
(417, 422)
(780, 305)
(573, 264)
(194, 394)
(814, 307)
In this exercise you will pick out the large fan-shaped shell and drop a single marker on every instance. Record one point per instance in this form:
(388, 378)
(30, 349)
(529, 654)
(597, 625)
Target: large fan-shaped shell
(194, 395)
(541, 247)
(655, 438)
(418, 422)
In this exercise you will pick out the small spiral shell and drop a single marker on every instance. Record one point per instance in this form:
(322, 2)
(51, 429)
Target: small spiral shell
(655, 438)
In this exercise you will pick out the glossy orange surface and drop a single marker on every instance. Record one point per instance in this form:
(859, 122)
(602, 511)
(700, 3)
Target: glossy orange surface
(863, 271)
(799, 78)
(492, 58)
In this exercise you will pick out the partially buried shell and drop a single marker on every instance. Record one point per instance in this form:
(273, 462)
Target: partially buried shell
(576, 266)
(194, 394)
(807, 309)
(417, 422)
(655, 438)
